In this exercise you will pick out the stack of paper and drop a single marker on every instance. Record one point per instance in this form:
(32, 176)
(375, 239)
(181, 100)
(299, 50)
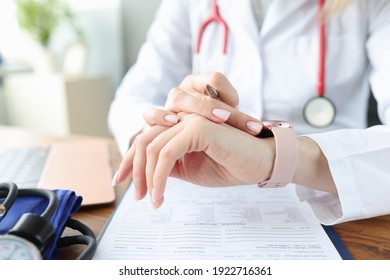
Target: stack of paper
(242, 222)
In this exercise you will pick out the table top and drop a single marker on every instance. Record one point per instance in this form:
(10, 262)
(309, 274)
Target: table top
(367, 239)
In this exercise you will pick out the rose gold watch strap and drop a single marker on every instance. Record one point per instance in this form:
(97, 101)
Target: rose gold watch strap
(285, 159)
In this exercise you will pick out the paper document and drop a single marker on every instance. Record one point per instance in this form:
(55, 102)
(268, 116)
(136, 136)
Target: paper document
(242, 222)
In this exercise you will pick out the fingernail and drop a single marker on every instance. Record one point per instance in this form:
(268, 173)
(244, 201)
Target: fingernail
(137, 195)
(113, 182)
(221, 114)
(171, 118)
(158, 203)
(254, 126)
(154, 195)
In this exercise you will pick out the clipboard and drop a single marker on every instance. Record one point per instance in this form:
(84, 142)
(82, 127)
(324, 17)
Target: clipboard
(337, 242)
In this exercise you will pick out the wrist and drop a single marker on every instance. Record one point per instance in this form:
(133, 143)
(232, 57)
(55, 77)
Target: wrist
(312, 167)
(269, 157)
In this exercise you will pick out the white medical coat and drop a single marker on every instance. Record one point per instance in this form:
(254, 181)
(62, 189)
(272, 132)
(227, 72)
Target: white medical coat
(275, 73)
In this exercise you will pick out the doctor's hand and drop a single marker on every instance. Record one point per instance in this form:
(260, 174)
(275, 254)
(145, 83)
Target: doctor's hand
(196, 150)
(191, 97)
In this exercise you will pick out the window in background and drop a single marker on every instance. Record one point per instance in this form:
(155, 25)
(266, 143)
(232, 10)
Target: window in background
(77, 103)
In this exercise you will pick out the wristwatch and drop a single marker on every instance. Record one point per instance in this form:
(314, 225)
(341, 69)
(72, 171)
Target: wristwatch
(286, 153)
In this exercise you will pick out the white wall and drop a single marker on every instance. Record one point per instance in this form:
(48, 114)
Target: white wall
(115, 30)
(101, 21)
(137, 17)
(8, 26)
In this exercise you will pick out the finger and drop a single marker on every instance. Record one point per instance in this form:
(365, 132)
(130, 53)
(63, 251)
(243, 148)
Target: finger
(139, 162)
(152, 154)
(125, 167)
(159, 202)
(181, 101)
(212, 109)
(155, 116)
(225, 89)
(184, 141)
(138, 172)
(245, 122)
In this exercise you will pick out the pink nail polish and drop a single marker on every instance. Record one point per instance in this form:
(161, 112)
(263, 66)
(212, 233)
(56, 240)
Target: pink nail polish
(154, 196)
(221, 114)
(113, 182)
(171, 118)
(254, 126)
(136, 195)
(157, 204)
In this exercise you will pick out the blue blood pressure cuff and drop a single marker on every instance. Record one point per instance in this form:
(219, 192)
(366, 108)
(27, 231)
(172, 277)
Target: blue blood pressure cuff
(68, 204)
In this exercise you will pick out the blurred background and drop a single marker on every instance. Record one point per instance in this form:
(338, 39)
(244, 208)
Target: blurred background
(61, 60)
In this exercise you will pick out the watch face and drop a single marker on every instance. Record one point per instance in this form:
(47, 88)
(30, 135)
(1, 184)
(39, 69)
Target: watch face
(15, 248)
(268, 125)
(282, 124)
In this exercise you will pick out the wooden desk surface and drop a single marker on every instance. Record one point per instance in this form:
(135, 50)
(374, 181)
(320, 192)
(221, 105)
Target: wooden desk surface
(367, 239)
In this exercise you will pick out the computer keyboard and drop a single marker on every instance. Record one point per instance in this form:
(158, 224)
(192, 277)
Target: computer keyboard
(23, 166)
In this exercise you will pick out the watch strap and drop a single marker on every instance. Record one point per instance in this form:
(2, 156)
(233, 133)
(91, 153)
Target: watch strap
(286, 156)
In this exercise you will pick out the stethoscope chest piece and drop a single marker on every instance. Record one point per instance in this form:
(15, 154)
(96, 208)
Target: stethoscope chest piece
(319, 112)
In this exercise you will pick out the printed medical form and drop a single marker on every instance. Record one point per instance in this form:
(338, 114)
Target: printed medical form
(242, 222)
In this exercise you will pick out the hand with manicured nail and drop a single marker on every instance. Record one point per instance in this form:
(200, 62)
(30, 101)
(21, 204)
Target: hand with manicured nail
(196, 150)
(192, 97)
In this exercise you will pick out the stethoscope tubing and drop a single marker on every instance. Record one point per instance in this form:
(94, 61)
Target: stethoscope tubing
(216, 17)
(87, 238)
(10, 191)
(322, 49)
(49, 195)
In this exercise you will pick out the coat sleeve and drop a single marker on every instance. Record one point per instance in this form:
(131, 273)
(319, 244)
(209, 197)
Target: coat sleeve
(163, 62)
(359, 159)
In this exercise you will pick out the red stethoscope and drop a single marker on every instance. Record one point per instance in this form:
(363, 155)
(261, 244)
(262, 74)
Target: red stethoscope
(318, 111)
(216, 17)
